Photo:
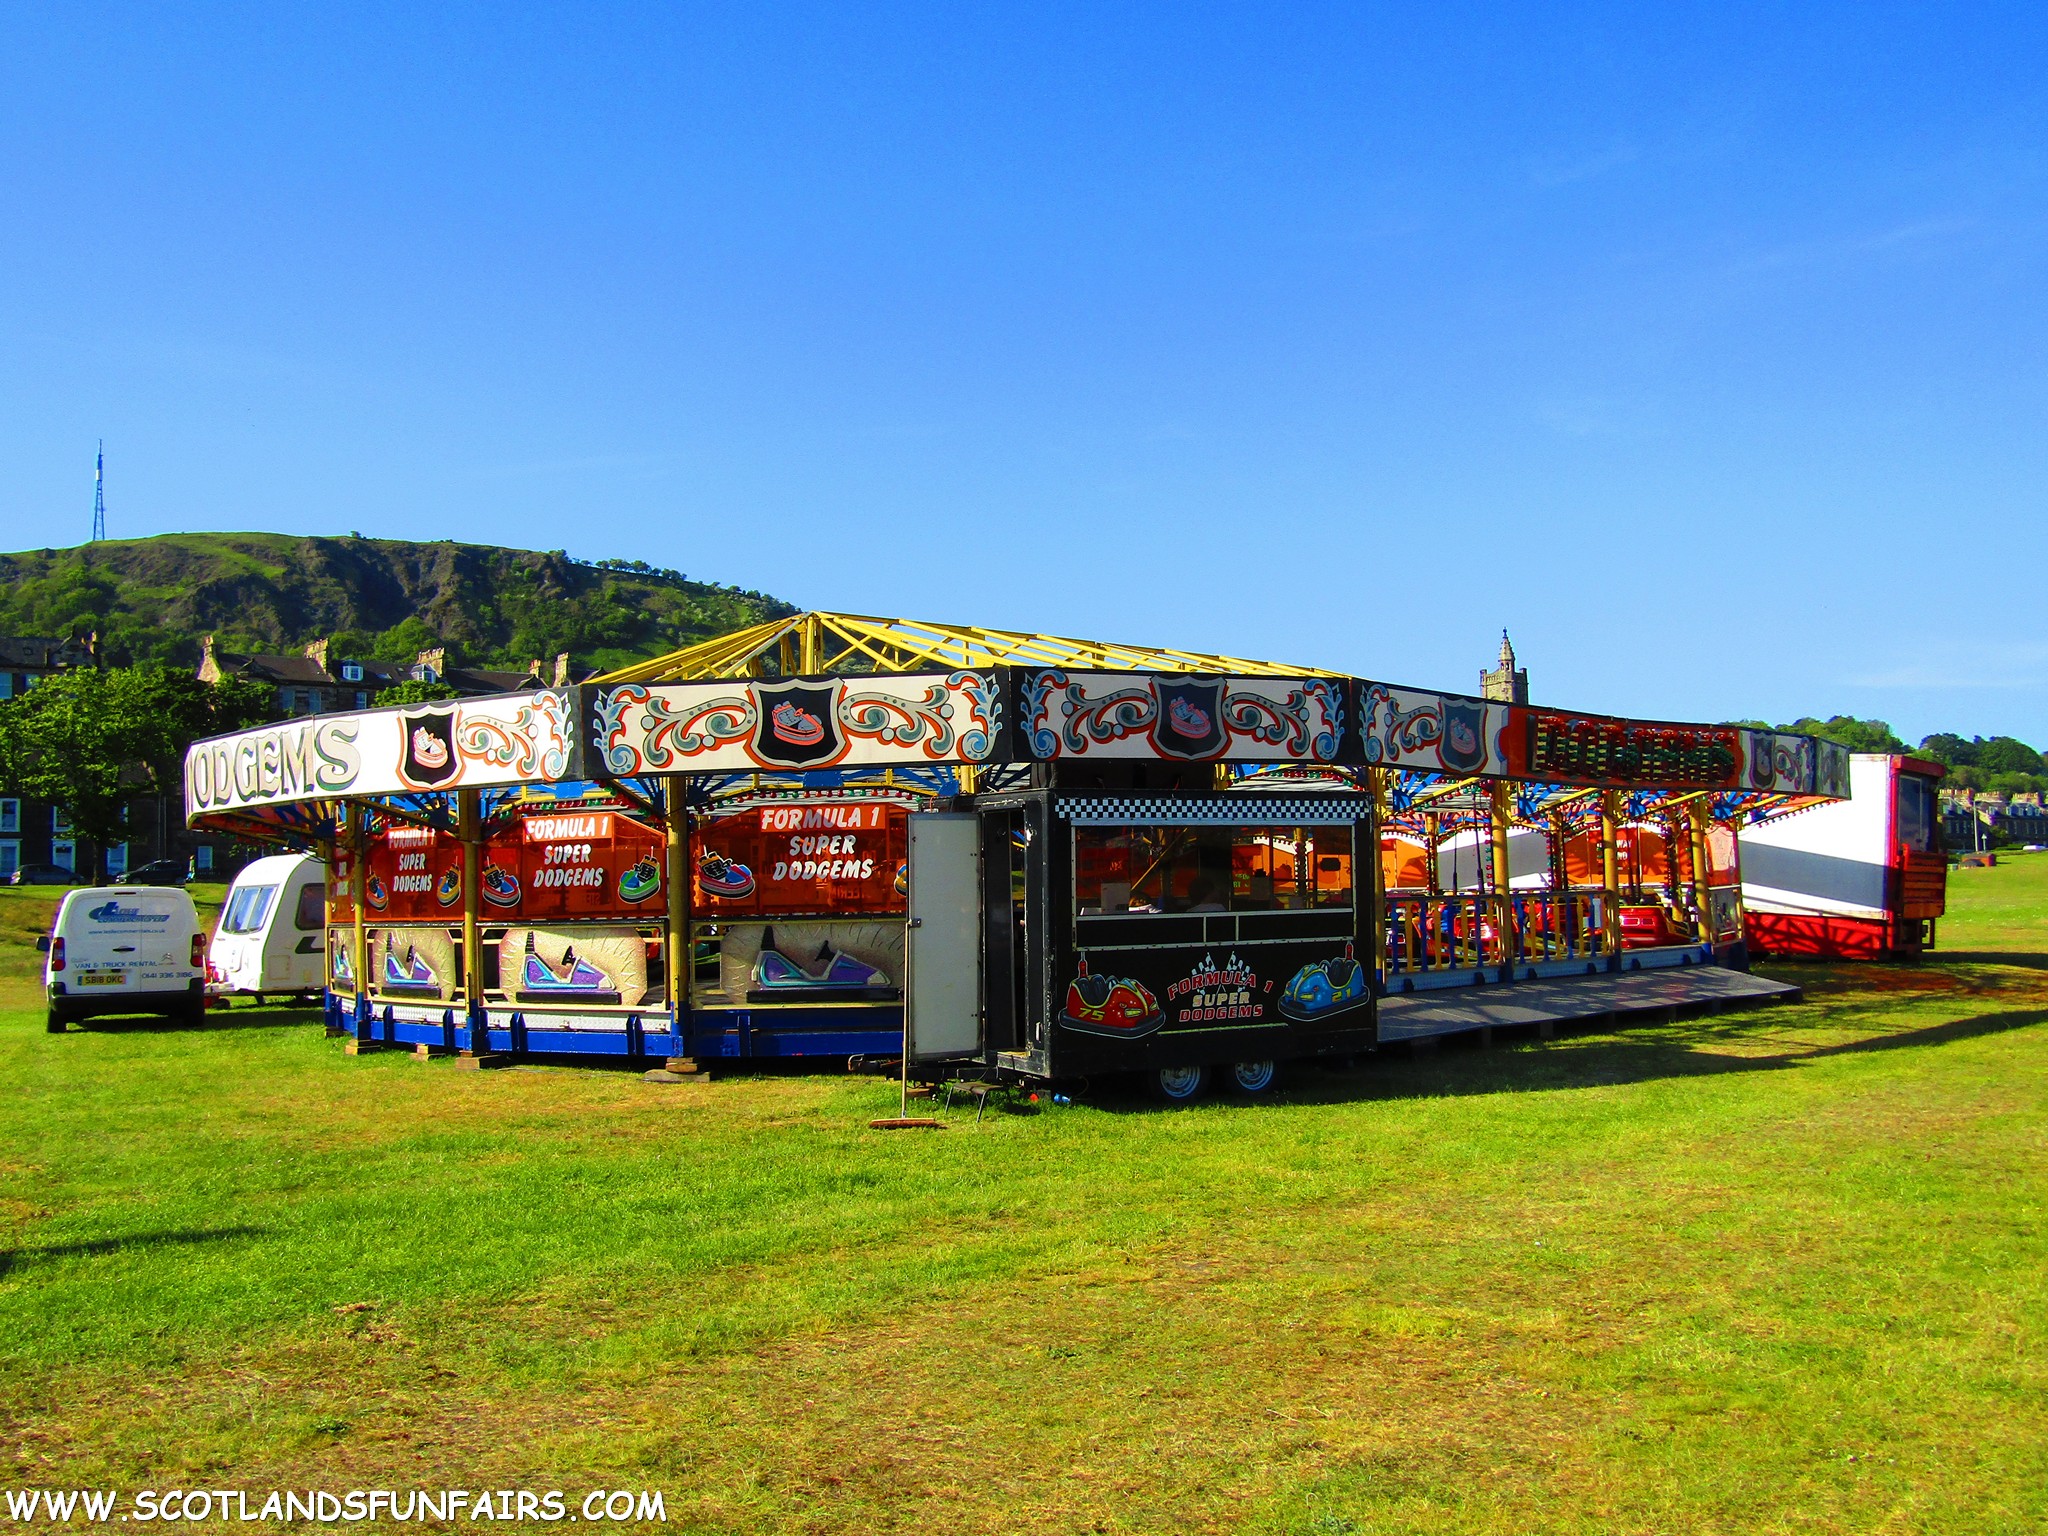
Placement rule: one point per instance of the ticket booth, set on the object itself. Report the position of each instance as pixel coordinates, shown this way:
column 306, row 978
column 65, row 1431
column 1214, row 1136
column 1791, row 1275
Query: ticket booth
column 1190, row 935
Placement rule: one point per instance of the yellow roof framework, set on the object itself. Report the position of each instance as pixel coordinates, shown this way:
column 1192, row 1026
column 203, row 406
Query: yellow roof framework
column 810, row 643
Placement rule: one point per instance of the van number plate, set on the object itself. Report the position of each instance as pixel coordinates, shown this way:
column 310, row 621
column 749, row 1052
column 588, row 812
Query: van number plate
column 102, row 978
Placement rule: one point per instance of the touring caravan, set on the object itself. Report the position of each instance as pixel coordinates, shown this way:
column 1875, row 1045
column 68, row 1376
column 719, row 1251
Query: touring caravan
column 272, row 934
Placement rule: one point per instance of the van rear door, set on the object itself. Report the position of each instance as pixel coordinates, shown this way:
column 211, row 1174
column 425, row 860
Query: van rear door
column 128, row 939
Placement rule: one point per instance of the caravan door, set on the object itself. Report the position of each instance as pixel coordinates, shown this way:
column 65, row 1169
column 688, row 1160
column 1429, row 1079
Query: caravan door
column 942, row 995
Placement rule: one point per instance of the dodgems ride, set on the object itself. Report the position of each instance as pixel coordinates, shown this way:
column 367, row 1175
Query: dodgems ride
column 1001, row 854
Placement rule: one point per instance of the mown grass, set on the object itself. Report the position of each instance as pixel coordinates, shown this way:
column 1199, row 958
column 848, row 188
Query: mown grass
column 1782, row 1271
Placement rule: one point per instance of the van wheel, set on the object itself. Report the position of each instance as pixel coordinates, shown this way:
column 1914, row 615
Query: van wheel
column 1180, row 1085
column 1253, row 1079
column 53, row 1021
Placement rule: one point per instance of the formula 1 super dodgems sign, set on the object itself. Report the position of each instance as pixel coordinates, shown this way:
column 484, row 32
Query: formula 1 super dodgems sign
column 517, row 738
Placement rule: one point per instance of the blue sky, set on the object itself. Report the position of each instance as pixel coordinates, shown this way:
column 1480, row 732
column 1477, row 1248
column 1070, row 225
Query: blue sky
column 1701, row 346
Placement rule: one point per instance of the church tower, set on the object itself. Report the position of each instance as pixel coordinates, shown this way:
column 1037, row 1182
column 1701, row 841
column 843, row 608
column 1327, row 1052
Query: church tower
column 1507, row 683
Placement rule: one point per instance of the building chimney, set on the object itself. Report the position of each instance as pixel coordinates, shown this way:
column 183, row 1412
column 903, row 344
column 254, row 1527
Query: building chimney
column 209, row 666
column 432, row 664
column 1507, row 684
column 562, row 670
column 318, row 651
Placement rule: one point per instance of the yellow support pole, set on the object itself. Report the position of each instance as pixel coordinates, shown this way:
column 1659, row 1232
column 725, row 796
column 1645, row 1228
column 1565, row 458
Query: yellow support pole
column 1377, row 777
column 676, row 935
column 1702, row 887
column 1610, row 868
column 1558, row 841
column 469, row 827
column 1508, row 939
column 1431, row 944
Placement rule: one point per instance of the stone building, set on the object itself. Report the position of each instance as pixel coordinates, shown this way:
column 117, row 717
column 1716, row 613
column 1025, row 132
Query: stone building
column 316, row 682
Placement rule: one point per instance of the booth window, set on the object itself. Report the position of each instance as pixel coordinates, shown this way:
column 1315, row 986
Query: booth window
column 1140, row 870
column 1918, row 819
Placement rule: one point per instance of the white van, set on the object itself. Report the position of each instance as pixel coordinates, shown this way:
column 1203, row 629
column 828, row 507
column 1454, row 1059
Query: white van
column 272, row 934
column 124, row 949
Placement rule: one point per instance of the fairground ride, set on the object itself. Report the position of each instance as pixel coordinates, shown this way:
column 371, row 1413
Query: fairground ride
column 1034, row 856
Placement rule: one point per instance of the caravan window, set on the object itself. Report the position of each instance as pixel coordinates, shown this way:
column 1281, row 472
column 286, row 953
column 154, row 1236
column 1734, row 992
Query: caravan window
column 312, row 911
column 1121, row 870
column 248, row 909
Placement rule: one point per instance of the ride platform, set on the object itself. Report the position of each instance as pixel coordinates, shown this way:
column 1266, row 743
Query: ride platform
column 1633, row 995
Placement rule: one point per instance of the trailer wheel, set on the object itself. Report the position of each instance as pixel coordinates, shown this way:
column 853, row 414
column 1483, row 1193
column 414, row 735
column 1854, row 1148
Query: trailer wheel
column 1253, row 1078
column 1180, row 1085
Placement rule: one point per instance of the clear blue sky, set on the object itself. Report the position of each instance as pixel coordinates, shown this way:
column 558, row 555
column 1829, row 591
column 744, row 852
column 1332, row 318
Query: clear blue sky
column 1703, row 347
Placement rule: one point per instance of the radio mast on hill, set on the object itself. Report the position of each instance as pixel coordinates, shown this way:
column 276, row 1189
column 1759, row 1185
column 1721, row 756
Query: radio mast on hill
column 99, row 494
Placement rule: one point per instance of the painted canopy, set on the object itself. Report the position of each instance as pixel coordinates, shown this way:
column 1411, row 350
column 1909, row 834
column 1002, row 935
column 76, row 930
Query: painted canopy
column 1013, row 700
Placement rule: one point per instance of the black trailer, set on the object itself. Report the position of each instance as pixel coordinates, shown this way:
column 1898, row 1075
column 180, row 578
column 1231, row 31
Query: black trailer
column 1181, row 932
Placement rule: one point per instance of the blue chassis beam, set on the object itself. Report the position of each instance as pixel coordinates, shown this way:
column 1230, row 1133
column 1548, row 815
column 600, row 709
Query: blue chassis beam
column 723, row 1034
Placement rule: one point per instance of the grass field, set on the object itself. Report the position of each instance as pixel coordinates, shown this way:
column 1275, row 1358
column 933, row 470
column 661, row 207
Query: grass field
column 1777, row 1271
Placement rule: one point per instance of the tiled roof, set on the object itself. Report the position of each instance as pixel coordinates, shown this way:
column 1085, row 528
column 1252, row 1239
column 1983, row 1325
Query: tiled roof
column 276, row 669
column 304, row 671
column 33, row 651
column 485, row 679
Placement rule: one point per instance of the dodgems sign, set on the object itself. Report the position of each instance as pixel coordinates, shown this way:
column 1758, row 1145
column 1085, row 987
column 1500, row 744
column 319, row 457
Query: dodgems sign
column 521, row 738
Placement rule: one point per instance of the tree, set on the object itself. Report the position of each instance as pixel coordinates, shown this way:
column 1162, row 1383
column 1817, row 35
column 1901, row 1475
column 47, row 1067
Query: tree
column 402, row 643
column 416, row 691
column 1947, row 747
column 2003, row 754
column 1856, row 735
column 89, row 741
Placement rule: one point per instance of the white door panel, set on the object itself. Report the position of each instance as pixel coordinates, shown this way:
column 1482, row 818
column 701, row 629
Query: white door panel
column 942, row 1002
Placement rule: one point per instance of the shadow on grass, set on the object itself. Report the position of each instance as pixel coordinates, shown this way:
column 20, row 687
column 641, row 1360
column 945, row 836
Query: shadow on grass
column 12, row 1257
column 157, row 1024
column 2032, row 962
column 1459, row 1066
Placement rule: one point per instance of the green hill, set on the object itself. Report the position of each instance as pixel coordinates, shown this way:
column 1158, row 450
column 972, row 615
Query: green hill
column 152, row 599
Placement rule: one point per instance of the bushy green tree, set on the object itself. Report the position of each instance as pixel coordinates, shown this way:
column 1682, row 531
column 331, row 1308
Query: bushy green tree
column 402, row 643
column 415, row 691
column 2003, row 764
column 2004, row 754
column 1856, row 735
column 89, row 741
column 1947, row 747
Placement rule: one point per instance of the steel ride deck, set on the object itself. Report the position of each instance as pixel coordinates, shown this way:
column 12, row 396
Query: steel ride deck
column 1705, row 988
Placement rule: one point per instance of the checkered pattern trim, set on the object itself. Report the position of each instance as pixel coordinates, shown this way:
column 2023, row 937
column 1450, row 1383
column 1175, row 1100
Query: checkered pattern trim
column 1211, row 810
